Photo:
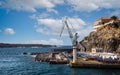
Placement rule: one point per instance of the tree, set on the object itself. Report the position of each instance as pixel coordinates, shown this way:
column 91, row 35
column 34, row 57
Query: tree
column 114, row 17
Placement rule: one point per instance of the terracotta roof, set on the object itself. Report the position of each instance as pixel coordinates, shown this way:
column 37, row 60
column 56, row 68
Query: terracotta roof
column 105, row 18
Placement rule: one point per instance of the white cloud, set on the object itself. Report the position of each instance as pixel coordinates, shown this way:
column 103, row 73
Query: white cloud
column 83, row 5
column 29, row 5
column 91, row 5
column 43, row 15
column 85, row 31
column 33, row 16
column 9, row 31
column 52, row 10
column 51, row 41
column 57, row 1
column 56, row 42
column 38, row 42
column 36, row 16
column 49, row 26
column 53, row 26
column 78, row 5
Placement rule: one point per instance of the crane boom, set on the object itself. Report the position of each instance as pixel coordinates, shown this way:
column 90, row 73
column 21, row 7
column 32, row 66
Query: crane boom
column 69, row 31
column 73, row 38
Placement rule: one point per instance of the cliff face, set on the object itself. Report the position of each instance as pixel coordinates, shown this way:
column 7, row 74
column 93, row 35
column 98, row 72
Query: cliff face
column 106, row 37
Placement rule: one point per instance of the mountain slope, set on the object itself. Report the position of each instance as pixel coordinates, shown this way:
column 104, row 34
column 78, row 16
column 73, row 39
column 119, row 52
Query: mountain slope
column 106, row 37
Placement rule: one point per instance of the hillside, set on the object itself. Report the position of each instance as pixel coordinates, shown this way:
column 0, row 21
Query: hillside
column 106, row 37
column 6, row 45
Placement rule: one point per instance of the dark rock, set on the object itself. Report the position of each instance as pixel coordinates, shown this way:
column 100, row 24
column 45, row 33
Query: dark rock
column 43, row 57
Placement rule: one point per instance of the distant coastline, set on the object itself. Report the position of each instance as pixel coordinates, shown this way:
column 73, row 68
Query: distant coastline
column 8, row 45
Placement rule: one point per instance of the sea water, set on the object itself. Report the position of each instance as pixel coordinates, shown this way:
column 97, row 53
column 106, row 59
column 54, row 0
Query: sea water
column 13, row 62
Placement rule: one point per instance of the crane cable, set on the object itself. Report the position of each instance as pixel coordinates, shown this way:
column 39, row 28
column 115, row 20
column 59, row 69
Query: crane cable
column 73, row 29
column 62, row 28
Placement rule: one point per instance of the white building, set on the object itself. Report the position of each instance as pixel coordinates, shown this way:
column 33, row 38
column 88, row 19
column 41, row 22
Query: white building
column 102, row 22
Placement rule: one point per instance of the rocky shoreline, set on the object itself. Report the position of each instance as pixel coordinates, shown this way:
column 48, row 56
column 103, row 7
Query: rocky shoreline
column 52, row 56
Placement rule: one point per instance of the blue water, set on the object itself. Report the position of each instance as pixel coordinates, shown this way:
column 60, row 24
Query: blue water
column 12, row 62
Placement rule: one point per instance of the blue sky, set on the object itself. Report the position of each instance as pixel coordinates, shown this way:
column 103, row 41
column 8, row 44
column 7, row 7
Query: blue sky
column 40, row 21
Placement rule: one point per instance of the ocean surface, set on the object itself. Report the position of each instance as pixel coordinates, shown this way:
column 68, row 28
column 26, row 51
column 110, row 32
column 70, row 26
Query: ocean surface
column 12, row 62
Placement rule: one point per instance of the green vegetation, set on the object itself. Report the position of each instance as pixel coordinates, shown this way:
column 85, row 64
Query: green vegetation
column 114, row 17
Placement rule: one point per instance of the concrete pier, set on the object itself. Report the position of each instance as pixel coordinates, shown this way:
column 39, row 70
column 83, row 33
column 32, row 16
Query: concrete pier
column 93, row 64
